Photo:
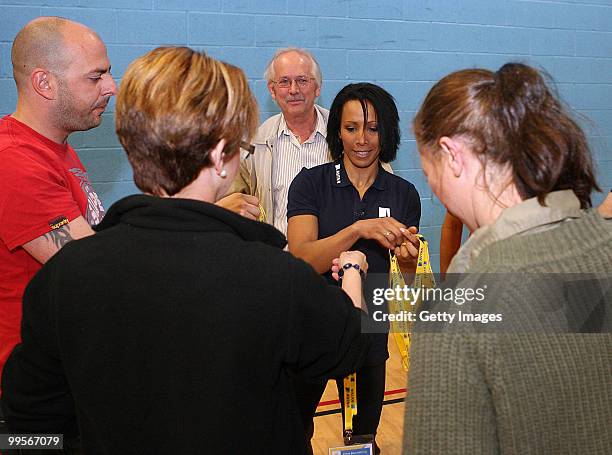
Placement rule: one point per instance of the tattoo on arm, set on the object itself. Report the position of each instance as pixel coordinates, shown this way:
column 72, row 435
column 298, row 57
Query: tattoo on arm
column 59, row 237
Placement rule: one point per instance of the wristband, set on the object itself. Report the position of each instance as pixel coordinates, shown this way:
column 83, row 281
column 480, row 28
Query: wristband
column 349, row 265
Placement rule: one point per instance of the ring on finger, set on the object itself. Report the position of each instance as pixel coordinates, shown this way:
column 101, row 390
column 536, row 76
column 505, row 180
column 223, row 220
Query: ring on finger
column 387, row 234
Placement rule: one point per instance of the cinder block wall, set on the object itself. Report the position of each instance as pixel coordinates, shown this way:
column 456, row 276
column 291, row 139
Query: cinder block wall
column 404, row 45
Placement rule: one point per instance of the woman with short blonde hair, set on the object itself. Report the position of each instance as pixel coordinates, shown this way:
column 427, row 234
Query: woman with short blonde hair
column 175, row 105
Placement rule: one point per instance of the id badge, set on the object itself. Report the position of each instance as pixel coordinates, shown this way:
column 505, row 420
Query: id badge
column 359, row 449
column 359, row 445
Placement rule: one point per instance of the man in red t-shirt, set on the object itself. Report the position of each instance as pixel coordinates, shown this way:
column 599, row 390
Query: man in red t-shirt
column 63, row 79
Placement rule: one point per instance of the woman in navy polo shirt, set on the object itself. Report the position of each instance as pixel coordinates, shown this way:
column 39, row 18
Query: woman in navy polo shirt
column 353, row 203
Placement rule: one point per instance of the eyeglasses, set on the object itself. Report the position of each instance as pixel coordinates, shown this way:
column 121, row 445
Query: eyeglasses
column 301, row 81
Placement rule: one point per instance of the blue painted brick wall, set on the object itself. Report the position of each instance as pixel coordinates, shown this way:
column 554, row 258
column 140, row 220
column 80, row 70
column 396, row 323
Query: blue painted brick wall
column 405, row 45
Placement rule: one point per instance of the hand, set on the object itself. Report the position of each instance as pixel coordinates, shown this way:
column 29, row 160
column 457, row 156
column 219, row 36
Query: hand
column 407, row 252
column 335, row 269
column 242, row 204
column 606, row 207
column 346, row 257
column 386, row 231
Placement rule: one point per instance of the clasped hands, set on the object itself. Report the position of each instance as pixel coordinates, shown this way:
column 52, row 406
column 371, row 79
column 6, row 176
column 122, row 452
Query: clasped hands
column 393, row 235
column 387, row 231
column 390, row 234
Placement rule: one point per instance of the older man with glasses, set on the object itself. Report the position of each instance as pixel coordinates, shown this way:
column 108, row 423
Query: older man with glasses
column 285, row 143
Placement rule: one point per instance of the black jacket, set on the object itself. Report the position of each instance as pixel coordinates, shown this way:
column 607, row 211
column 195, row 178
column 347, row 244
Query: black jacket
column 173, row 330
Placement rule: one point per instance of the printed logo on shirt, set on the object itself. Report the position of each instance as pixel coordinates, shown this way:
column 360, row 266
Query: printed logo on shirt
column 384, row 212
column 338, row 179
column 58, row 222
column 95, row 210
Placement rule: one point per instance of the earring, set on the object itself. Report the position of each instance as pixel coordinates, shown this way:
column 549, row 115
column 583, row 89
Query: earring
column 223, row 173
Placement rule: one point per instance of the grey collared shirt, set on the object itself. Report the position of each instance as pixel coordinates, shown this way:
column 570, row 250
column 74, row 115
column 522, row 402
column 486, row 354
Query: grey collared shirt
column 527, row 216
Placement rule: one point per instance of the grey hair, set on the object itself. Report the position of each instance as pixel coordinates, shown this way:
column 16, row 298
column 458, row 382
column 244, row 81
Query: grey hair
column 316, row 69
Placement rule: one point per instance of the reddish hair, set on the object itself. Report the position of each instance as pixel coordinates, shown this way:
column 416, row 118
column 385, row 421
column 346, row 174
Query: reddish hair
column 511, row 117
column 174, row 105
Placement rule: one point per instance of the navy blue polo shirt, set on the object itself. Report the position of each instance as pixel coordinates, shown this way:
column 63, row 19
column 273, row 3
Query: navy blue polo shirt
column 326, row 192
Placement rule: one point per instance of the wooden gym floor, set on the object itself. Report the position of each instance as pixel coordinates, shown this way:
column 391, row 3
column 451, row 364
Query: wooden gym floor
column 328, row 427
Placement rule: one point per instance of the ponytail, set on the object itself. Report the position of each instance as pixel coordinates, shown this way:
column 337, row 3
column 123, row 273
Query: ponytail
column 512, row 118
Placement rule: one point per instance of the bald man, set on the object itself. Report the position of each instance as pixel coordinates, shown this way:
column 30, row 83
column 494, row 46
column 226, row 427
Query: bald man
column 63, row 79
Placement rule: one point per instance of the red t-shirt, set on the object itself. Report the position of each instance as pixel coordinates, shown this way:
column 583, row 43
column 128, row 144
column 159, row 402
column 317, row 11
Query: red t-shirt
column 42, row 183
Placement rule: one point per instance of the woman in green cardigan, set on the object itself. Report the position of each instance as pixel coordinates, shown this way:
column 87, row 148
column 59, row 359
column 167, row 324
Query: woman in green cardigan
column 504, row 155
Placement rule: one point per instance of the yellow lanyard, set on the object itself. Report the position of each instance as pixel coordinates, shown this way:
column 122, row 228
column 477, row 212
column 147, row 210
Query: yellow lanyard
column 350, row 404
column 423, row 278
column 262, row 214
column 401, row 329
